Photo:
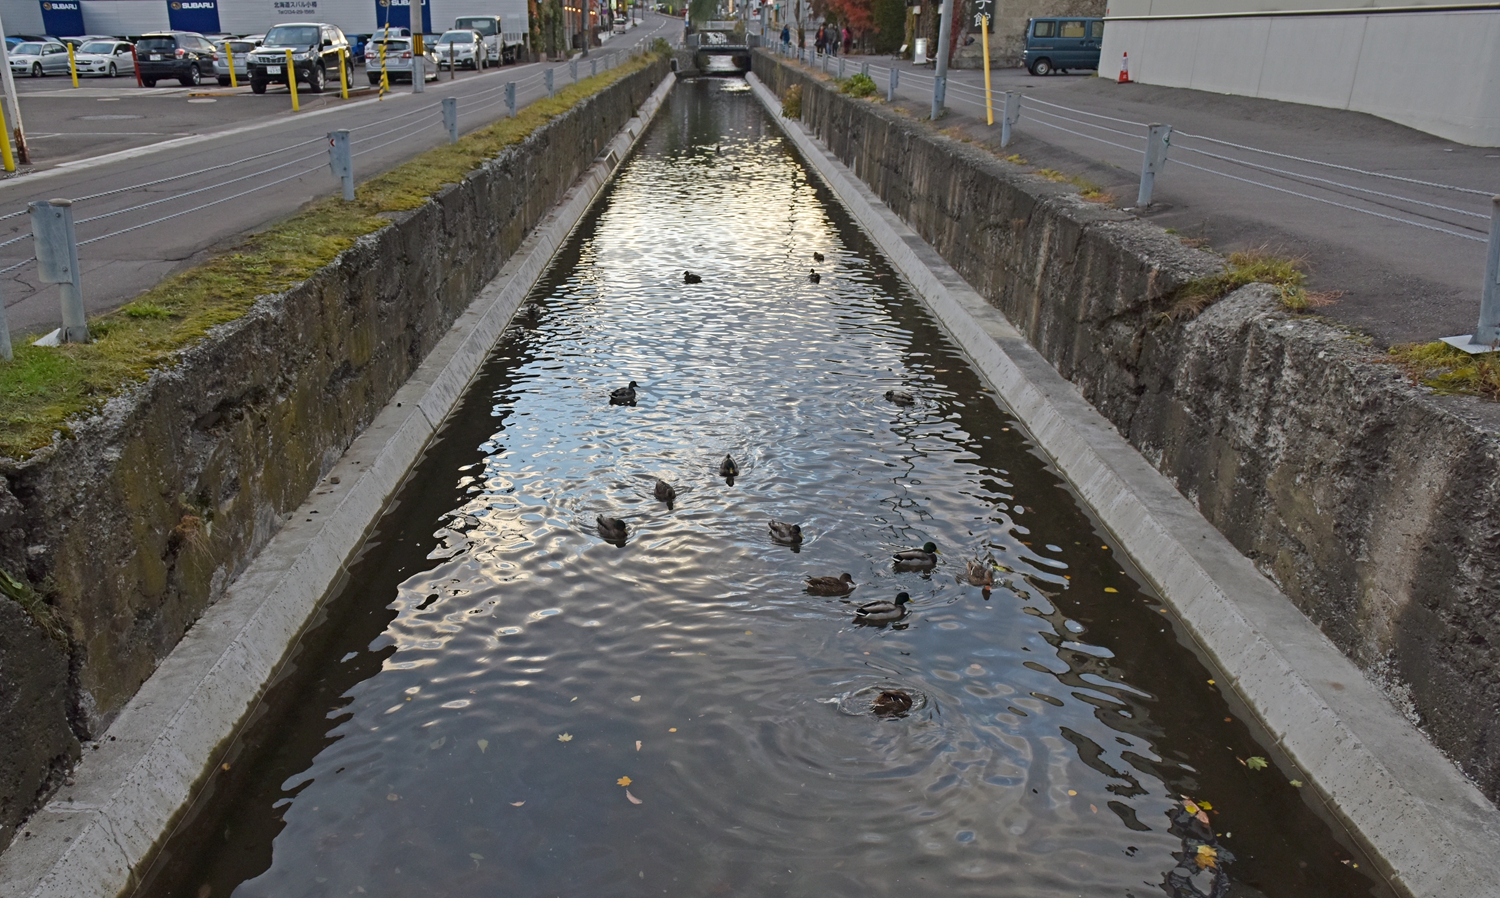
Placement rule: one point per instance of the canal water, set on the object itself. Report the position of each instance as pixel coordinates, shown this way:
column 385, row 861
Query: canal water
column 501, row 703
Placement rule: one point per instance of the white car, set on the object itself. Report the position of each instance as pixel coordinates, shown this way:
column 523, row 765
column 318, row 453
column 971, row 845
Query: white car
column 462, row 49
column 398, row 60
column 39, row 58
column 242, row 48
column 104, row 59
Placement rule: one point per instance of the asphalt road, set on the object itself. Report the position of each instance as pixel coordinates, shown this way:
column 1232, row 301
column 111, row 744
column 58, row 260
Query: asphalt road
column 1400, row 281
column 108, row 135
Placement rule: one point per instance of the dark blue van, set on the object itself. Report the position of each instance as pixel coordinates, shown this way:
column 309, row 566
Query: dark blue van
column 1059, row 44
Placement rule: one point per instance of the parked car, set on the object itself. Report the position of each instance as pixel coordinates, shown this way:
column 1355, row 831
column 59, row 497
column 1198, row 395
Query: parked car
column 357, row 46
column 315, row 50
column 462, row 49
column 1059, row 44
column 491, row 30
column 184, row 55
column 38, row 58
column 240, row 48
column 106, row 58
column 398, row 59
column 76, row 42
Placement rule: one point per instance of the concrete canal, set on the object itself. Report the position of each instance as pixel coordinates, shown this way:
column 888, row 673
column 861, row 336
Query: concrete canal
column 501, row 702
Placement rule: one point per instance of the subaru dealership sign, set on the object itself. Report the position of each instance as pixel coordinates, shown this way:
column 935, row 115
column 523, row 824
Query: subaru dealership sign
column 397, row 14
column 201, row 16
column 63, row 17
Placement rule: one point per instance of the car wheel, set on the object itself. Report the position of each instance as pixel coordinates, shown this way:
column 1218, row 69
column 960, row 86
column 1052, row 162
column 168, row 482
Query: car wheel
column 374, row 80
column 1041, row 67
column 36, row 70
column 148, row 82
column 257, row 86
column 223, row 81
column 113, row 72
column 316, row 79
column 193, row 77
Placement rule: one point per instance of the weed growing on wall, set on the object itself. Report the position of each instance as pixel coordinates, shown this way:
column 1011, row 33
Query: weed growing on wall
column 858, row 86
column 1251, row 267
column 1450, row 370
column 791, row 102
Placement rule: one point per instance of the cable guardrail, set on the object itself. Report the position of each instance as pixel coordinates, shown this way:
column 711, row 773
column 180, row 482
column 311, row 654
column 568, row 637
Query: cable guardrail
column 174, row 198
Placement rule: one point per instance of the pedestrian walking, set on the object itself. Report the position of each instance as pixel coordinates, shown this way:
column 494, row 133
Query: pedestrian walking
column 820, row 41
column 786, row 38
column 848, row 40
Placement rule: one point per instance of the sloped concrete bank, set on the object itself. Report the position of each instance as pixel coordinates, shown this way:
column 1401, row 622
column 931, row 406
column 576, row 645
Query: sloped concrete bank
column 176, row 510
column 1323, row 467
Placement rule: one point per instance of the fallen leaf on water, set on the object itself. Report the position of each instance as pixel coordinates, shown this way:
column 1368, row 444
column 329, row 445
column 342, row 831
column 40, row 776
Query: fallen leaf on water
column 1094, row 809
column 672, row 730
column 638, row 747
column 1256, row 763
column 1071, row 792
column 633, row 799
column 1296, row 784
column 1205, row 806
column 224, row 766
column 1210, row 682
column 624, row 780
column 483, row 744
column 1207, row 857
column 1110, row 589
column 393, row 797
column 516, row 804
column 565, row 737
column 477, row 857
column 635, row 698
column 1190, row 807
column 573, row 699
column 438, row 744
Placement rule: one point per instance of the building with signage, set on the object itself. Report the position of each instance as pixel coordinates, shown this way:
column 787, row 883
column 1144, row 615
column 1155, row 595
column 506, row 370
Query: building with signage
column 1433, row 65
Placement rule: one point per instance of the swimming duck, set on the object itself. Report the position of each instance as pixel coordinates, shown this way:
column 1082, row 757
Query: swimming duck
column 665, row 492
column 612, row 529
column 533, row 312
column 817, row 256
column 790, row 534
column 689, row 278
column 979, row 573
column 830, row 586
column 729, row 468
column 882, row 611
column 923, row 559
column 891, row 703
column 812, row 275
column 623, row 396
column 899, row 397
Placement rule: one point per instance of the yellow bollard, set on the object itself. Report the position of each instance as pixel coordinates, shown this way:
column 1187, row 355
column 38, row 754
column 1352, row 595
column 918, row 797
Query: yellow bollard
column 233, row 81
column 344, row 72
column 385, row 77
column 989, row 106
column 10, row 160
column 291, row 80
column 72, row 65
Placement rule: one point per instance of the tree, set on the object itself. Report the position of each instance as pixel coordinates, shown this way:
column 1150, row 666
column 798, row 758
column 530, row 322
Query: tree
column 857, row 14
column 890, row 24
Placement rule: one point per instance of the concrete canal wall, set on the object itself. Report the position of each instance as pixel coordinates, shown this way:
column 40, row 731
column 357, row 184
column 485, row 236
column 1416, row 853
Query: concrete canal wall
column 117, row 539
column 1366, row 501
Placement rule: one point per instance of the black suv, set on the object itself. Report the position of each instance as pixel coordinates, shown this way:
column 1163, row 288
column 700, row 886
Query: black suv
column 184, row 55
column 315, row 55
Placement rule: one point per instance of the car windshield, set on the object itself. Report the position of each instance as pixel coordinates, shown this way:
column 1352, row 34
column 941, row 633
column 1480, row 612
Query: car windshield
column 103, row 48
column 485, row 27
column 28, row 49
column 292, row 36
column 456, row 37
column 156, row 44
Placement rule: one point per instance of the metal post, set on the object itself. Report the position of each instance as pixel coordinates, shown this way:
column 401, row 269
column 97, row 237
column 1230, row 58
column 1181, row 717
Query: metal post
column 864, row 69
column 841, row 68
column 940, row 81
column 291, row 80
column 5, row 352
column 73, row 65
column 510, row 98
column 233, row 80
column 547, row 76
column 450, row 118
column 593, row 67
column 573, row 68
column 343, row 71
column 340, row 162
column 1488, row 329
column 385, row 76
column 418, row 74
column 1010, row 116
column 1157, row 139
column 890, row 95
column 57, row 262
column 23, row 156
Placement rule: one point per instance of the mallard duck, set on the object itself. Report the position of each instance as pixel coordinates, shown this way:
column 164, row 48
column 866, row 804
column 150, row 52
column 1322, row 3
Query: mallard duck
column 891, row 703
column 882, row 611
column 623, row 396
column 689, row 278
column 790, row 534
column 533, row 311
column 900, row 397
column 812, row 275
column 923, row 559
column 665, row 492
column 728, row 468
column 979, row 573
column 817, row 256
column 612, row 529
column 830, row 586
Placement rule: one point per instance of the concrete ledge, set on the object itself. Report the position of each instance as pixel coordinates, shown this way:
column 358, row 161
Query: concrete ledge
column 92, row 837
column 1432, row 831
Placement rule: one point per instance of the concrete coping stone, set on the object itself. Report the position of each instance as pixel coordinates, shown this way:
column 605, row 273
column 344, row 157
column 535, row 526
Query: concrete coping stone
column 1432, row 832
column 89, row 840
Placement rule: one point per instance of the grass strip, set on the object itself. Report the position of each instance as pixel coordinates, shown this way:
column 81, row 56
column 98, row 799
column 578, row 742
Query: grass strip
column 46, row 387
column 1449, row 370
column 1252, row 267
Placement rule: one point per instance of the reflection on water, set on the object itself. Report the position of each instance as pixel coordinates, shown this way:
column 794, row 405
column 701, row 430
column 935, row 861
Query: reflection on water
column 503, row 703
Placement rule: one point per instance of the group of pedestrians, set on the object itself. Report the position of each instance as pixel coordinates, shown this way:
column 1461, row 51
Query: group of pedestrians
column 827, row 39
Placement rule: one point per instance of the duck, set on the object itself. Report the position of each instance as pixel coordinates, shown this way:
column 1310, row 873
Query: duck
column 790, row 534
column 533, row 312
column 728, row 468
column 830, row 586
column 665, row 492
column 689, row 278
column 612, row 529
column 979, row 573
column 812, row 275
column 817, row 256
column 882, row 611
column 624, row 395
column 923, row 559
column 891, row 703
column 899, row 397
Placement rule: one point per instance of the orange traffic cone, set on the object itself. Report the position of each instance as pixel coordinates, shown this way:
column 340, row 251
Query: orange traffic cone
column 1124, row 69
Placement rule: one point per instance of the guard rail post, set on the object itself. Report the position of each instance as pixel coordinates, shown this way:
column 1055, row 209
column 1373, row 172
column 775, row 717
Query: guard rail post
column 340, row 162
column 890, row 95
column 5, row 351
column 573, row 68
column 57, row 262
column 548, row 78
column 864, row 69
column 450, row 118
column 418, row 73
column 291, row 80
column 593, row 67
column 841, row 68
column 1010, row 116
column 1158, row 136
column 510, row 98
column 1486, row 336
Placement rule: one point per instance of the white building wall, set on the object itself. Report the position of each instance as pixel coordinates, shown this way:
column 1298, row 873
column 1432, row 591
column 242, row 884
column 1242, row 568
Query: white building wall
column 122, row 16
column 1436, row 71
column 21, row 17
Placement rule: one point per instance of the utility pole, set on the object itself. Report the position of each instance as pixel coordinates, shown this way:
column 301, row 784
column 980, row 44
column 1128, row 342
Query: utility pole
column 587, row 27
column 940, row 83
column 22, row 154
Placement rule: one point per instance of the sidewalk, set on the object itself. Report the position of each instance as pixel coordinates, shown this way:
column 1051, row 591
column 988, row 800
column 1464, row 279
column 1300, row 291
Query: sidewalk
column 1398, row 269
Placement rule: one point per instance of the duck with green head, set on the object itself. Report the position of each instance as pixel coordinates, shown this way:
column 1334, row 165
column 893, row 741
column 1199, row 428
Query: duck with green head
column 882, row 611
column 923, row 559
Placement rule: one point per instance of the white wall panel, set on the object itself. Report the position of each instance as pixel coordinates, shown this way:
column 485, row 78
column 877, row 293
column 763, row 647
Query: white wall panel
column 1228, row 59
column 1312, row 59
column 123, row 16
column 22, row 17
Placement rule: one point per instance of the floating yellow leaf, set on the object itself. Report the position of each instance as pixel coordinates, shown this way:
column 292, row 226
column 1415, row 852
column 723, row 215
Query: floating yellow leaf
column 624, row 780
column 516, row 804
column 1190, row 807
column 565, row 737
column 483, row 744
column 1296, row 784
column 1207, row 857
column 1205, row 806
column 672, row 730
column 1110, row 589
column 635, row 698
column 1071, row 792
column 1256, row 763
column 633, row 799
column 1210, row 682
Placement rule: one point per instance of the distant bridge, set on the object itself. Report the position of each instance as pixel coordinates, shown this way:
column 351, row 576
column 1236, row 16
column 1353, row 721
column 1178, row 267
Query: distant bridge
column 719, row 47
